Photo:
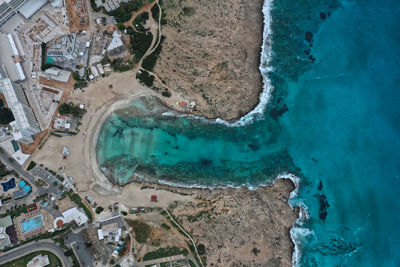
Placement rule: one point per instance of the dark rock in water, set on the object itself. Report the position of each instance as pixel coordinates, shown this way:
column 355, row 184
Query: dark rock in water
column 176, row 147
column 165, row 153
column 320, row 186
column 205, row 162
column 323, row 206
column 309, row 37
column 311, row 58
column 308, row 17
column 253, row 147
column 329, row 14
column 276, row 112
column 336, row 246
column 322, row 15
column 307, row 51
column 314, row 159
column 118, row 133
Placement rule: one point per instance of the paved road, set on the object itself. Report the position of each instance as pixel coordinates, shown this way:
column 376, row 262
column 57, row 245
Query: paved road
column 166, row 259
column 32, row 247
column 4, row 157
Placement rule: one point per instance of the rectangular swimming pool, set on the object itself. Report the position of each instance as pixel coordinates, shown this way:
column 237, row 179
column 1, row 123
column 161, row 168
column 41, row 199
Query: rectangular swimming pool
column 32, row 224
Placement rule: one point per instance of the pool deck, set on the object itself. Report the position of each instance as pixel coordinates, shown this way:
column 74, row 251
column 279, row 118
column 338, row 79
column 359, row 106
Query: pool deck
column 47, row 223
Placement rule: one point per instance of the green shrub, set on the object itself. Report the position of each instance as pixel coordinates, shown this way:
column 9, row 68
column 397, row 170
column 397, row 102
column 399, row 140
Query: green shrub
column 145, row 78
column 141, row 229
column 99, row 209
column 70, row 109
column 31, row 165
column 140, row 43
column 150, row 61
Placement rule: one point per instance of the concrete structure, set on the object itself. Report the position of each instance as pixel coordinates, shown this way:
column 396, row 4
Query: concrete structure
column 9, row 8
column 30, row 7
column 110, row 229
column 116, row 45
column 55, row 74
column 10, row 57
column 39, row 261
column 75, row 215
column 25, row 125
column 67, row 51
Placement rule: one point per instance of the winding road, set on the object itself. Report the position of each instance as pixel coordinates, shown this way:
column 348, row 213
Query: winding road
column 31, row 247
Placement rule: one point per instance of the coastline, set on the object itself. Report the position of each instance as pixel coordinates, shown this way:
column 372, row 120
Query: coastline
column 92, row 181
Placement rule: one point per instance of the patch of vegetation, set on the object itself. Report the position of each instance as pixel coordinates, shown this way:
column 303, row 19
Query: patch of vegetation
column 121, row 66
column 40, row 183
column 145, row 78
column 15, row 212
column 164, row 252
column 124, row 12
column 140, row 43
column 6, row 115
column 140, row 21
column 165, row 226
column 197, row 216
column 141, row 229
column 201, row 249
column 124, row 213
column 71, row 109
column 3, row 170
column 192, row 264
column 23, row 261
column 99, row 209
column 166, row 94
column 155, row 13
column 80, row 84
column 188, row 11
column 94, row 6
column 150, row 61
column 31, row 165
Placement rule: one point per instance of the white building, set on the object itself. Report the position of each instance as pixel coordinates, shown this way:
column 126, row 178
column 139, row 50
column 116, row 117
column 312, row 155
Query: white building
column 10, row 57
column 25, row 125
column 74, row 214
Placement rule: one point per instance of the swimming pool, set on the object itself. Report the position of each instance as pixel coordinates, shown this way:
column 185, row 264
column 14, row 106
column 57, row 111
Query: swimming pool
column 32, row 224
column 10, row 184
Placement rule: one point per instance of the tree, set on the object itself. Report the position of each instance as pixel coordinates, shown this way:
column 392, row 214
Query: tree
column 99, row 209
column 201, row 249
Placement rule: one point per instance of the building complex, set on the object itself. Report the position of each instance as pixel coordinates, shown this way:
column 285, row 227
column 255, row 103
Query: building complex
column 25, row 125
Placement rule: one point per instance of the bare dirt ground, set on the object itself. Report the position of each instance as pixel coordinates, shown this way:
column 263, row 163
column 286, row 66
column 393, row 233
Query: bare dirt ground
column 238, row 227
column 29, row 149
column 211, row 54
column 67, row 87
column 241, row 227
column 78, row 15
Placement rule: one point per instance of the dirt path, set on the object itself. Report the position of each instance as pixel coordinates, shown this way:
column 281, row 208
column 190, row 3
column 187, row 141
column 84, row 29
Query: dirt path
column 144, row 8
column 159, row 28
column 191, row 239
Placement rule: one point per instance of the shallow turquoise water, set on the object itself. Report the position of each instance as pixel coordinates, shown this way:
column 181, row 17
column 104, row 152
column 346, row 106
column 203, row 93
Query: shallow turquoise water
column 340, row 134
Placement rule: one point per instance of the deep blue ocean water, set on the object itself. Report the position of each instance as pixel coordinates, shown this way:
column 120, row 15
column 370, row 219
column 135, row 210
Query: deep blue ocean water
column 340, row 133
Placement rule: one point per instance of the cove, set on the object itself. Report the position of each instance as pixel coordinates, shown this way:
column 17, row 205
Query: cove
column 333, row 120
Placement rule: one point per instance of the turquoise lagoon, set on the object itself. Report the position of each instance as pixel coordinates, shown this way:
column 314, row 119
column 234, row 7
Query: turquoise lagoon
column 333, row 120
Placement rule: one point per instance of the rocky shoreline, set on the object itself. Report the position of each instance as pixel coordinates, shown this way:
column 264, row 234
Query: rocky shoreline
column 211, row 55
